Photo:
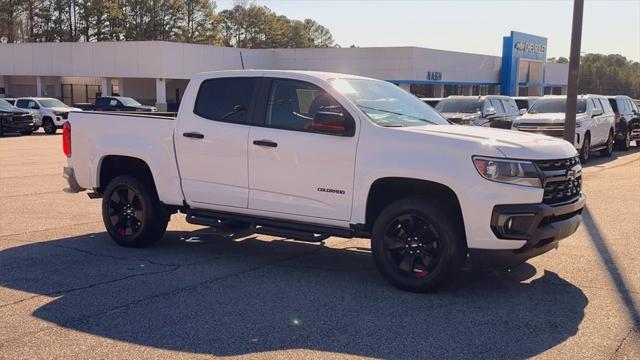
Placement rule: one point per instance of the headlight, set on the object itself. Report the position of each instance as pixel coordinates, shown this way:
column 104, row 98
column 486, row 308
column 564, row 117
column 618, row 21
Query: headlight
column 579, row 123
column 515, row 172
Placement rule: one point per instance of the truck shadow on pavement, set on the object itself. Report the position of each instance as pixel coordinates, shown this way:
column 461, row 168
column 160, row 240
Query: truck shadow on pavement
column 597, row 160
column 201, row 292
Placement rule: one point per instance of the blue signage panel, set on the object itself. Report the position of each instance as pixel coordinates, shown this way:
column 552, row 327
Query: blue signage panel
column 518, row 46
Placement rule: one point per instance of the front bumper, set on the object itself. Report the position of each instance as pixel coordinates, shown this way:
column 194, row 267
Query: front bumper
column 542, row 226
column 70, row 176
column 16, row 124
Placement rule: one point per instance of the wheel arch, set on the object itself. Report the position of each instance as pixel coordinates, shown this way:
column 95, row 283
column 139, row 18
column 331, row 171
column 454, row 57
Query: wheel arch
column 111, row 166
column 383, row 191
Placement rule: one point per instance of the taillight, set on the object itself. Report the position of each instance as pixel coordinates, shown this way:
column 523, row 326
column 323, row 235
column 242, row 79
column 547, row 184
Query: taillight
column 66, row 138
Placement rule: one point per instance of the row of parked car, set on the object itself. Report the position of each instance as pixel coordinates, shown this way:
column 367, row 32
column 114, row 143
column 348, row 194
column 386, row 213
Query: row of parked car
column 28, row 114
column 602, row 122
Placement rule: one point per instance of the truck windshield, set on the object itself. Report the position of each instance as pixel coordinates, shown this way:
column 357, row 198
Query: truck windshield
column 49, row 103
column 386, row 104
column 5, row 105
column 451, row 105
column 555, row 106
column 127, row 101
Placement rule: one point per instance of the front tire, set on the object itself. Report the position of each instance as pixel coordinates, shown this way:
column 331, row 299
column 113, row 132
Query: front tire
column 49, row 126
column 416, row 245
column 608, row 150
column 132, row 212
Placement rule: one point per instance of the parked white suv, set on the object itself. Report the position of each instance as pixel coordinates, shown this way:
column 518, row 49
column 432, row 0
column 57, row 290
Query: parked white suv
column 307, row 155
column 50, row 113
column 595, row 122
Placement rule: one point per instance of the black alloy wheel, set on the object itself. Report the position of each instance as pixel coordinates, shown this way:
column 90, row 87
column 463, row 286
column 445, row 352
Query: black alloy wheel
column 49, row 127
column 132, row 212
column 417, row 243
column 126, row 211
column 413, row 244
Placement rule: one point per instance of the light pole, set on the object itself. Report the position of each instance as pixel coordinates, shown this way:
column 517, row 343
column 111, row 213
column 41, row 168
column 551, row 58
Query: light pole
column 574, row 66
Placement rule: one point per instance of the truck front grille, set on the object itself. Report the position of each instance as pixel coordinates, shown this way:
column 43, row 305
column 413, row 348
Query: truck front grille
column 544, row 129
column 562, row 180
column 500, row 124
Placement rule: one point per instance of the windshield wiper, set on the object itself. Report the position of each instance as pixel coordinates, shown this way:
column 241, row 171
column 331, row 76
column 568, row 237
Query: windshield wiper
column 397, row 113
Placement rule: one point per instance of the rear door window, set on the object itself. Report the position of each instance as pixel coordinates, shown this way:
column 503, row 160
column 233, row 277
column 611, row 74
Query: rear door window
column 510, row 106
column 629, row 106
column 497, row 104
column 606, row 107
column 226, row 99
column 596, row 104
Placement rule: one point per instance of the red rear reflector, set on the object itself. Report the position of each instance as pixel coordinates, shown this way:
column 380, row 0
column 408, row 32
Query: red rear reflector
column 66, row 138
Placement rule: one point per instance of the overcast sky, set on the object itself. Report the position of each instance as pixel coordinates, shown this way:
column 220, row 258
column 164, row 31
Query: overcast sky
column 610, row 26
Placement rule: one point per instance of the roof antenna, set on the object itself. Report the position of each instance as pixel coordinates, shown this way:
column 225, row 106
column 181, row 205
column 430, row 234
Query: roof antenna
column 241, row 60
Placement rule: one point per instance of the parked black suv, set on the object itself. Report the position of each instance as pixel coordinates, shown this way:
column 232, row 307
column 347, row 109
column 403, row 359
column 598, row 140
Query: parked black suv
column 14, row 119
column 116, row 103
column 627, row 121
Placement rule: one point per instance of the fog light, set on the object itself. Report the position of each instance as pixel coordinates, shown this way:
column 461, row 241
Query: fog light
column 516, row 224
column 508, row 225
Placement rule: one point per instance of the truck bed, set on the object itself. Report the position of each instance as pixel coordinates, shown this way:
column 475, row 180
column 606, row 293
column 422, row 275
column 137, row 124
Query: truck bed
column 144, row 136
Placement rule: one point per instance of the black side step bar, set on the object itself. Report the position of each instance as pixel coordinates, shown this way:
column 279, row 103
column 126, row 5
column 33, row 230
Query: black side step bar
column 267, row 226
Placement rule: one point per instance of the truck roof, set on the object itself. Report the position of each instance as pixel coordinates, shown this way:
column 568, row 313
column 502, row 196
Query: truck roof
column 284, row 73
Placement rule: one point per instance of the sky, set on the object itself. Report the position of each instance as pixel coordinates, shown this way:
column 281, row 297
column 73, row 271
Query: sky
column 477, row 26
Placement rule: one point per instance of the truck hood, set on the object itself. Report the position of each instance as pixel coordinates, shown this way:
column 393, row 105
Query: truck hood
column 65, row 109
column 513, row 144
column 545, row 118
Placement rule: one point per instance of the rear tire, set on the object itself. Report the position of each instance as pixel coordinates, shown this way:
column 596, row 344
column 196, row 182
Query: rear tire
column 132, row 213
column 416, row 245
column 586, row 148
column 608, row 150
column 49, row 126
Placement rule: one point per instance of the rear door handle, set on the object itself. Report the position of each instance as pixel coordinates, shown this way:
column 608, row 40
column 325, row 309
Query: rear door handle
column 193, row 135
column 267, row 143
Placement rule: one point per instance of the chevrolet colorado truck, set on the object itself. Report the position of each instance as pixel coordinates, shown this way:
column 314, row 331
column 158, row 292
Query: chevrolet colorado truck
column 308, row 155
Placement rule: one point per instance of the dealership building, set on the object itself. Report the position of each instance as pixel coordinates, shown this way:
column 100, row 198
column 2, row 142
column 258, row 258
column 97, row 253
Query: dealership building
column 157, row 72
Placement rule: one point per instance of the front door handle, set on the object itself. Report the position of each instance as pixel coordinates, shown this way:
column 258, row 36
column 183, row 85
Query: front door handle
column 193, row 135
column 267, row 143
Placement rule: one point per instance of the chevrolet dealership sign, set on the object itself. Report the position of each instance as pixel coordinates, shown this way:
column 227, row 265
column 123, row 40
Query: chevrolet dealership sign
column 530, row 47
column 515, row 47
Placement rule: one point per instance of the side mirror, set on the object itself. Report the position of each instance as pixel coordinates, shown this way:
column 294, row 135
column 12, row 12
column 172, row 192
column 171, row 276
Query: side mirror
column 596, row 112
column 332, row 123
column 490, row 112
column 522, row 111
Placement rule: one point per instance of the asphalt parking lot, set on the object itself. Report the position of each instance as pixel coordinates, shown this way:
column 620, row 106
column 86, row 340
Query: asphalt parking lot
column 67, row 291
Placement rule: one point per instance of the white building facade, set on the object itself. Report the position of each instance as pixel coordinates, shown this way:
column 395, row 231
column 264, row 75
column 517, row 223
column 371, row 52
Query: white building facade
column 157, row 72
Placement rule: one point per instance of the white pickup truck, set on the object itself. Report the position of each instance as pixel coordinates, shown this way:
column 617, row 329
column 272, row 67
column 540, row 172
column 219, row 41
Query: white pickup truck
column 307, row 155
